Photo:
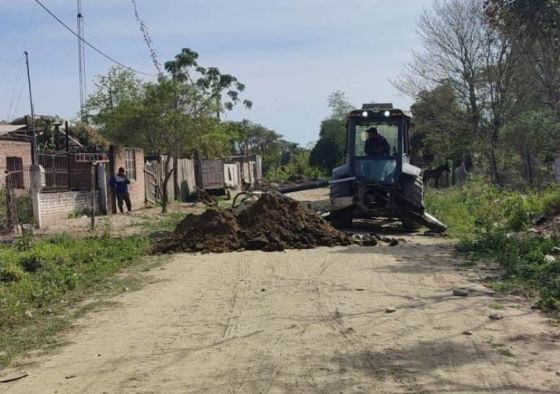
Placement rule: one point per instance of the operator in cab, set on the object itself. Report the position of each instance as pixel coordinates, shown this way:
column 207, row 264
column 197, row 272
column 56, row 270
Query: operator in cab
column 376, row 144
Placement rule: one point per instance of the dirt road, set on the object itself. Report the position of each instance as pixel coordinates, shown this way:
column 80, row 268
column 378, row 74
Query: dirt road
column 311, row 321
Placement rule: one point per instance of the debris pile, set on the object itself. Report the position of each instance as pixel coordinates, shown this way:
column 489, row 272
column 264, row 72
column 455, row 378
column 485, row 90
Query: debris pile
column 273, row 223
column 546, row 225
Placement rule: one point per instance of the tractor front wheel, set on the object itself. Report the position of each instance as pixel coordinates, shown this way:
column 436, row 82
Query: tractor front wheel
column 342, row 218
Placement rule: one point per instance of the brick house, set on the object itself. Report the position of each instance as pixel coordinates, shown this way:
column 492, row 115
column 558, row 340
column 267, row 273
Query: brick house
column 132, row 160
column 15, row 156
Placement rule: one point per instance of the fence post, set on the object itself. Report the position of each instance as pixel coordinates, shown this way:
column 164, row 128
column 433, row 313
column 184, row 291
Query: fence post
column 37, row 181
column 10, row 214
column 92, row 165
column 102, row 183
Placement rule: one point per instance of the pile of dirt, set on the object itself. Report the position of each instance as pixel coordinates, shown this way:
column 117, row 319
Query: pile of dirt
column 273, row 223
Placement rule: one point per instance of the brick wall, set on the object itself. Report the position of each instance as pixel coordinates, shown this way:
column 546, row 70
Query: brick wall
column 136, row 188
column 56, row 206
column 15, row 149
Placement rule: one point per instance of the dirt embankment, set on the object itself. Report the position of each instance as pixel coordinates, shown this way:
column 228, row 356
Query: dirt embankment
column 273, row 223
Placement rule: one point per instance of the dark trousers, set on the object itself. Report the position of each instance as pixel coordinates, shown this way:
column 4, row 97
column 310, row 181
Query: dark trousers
column 126, row 199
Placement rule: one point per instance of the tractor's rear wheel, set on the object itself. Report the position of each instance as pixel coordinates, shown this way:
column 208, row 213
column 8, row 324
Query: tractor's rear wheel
column 413, row 213
column 413, row 193
column 412, row 202
column 342, row 218
column 409, row 224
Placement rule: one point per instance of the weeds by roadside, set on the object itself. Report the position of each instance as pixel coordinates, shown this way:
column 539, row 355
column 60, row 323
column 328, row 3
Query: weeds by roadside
column 491, row 224
column 37, row 275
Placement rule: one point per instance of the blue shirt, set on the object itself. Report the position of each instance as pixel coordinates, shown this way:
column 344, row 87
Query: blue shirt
column 120, row 184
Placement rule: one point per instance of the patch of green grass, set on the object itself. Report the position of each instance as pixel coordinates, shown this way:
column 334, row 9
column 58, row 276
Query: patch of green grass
column 38, row 277
column 490, row 224
column 166, row 222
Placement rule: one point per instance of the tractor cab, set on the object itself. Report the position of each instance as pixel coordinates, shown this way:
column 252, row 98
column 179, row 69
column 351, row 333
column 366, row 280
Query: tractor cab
column 377, row 143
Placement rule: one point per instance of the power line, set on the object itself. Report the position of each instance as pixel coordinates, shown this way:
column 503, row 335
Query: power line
column 10, row 61
column 13, row 99
column 11, row 68
column 88, row 43
column 147, row 38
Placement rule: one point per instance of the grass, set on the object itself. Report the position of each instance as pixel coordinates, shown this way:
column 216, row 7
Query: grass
column 166, row 222
column 39, row 279
column 491, row 225
column 23, row 207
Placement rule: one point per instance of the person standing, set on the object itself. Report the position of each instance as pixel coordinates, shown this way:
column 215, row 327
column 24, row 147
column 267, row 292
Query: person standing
column 119, row 183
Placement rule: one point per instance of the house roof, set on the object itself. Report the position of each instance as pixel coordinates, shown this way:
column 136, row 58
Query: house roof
column 10, row 128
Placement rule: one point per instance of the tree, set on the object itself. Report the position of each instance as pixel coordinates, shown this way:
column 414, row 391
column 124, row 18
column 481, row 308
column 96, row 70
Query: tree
column 535, row 137
column 213, row 85
column 172, row 117
column 535, row 31
column 119, row 84
column 463, row 51
column 441, row 128
column 330, row 149
column 250, row 138
column 339, row 105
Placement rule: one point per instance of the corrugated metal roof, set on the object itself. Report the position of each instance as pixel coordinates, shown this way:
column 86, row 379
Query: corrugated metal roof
column 10, row 128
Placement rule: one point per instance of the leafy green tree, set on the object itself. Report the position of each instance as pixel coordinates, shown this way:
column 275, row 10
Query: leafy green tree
column 330, row 149
column 535, row 137
column 339, row 105
column 252, row 138
column 535, row 31
column 222, row 91
column 118, row 85
column 442, row 129
column 174, row 116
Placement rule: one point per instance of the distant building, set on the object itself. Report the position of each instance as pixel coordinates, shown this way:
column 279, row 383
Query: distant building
column 15, row 156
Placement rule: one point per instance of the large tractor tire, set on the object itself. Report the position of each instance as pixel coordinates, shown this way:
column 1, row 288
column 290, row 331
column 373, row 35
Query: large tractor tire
column 413, row 193
column 409, row 224
column 342, row 218
column 413, row 211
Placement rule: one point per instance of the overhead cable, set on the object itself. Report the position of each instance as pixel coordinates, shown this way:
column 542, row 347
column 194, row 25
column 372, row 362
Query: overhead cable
column 88, row 43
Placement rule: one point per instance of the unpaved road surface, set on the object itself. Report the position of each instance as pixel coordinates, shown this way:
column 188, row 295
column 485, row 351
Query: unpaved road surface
column 310, row 321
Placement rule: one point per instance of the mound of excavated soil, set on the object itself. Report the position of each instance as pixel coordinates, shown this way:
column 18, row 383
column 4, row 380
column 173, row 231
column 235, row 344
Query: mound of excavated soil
column 273, row 223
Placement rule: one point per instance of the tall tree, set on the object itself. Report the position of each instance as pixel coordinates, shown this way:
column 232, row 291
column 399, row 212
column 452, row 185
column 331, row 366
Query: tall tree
column 222, row 91
column 330, row 149
column 462, row 51
column 442, row 128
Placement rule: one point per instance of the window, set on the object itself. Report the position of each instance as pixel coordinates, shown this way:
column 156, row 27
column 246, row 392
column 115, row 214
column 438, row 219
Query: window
column 130, row 163
column 389, row 131
column 14, row 166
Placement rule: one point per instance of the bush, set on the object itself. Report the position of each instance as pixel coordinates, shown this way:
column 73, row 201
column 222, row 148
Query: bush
column 490, row 224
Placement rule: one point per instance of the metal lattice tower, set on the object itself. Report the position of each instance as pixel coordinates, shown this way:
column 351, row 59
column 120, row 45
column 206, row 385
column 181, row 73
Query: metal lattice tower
column 81, row 58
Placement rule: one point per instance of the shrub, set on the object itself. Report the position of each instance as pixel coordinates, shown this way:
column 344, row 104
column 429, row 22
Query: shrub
column 490, row 222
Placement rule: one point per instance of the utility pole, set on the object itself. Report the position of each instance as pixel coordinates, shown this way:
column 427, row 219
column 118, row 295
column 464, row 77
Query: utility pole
column 32, row 111
column 81, row 59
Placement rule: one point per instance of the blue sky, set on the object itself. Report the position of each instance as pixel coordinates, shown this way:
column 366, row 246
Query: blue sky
column 290, row 53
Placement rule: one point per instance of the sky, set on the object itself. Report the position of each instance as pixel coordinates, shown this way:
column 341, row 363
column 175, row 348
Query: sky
column 290, row 54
